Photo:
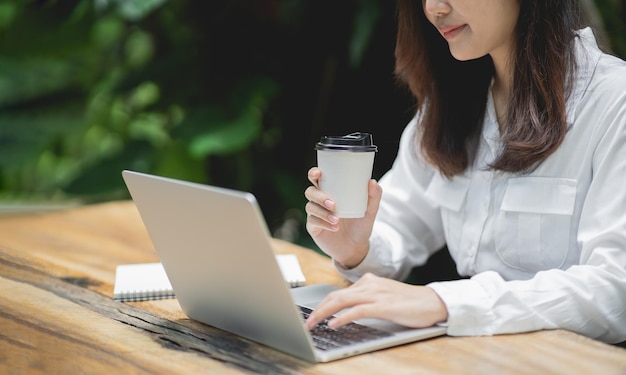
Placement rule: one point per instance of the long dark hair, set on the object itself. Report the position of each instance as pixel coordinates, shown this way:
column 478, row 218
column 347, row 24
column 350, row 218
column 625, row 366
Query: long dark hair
column 452, row 94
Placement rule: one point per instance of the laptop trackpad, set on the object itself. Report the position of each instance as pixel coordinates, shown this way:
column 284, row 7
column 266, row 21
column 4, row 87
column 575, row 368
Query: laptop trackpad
column 311, row 295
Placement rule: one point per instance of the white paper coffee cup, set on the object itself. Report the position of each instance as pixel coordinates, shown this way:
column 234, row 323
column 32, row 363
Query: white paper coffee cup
column 346, row 163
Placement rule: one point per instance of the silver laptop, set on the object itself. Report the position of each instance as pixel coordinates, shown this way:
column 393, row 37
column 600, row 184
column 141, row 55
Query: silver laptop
column 216, row 250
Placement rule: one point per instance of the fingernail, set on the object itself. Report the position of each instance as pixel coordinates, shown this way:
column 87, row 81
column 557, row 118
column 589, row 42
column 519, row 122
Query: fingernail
column 328, row 203
column 333, row 219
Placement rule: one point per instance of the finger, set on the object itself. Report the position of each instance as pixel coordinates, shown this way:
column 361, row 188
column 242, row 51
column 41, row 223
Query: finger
column 375, row 192
column 325, row 309
column 316, row 210
column 332, row 304
column 314, row 176
column 365, row 310
column 314, row 224
column 313, row 194
column 359, row 301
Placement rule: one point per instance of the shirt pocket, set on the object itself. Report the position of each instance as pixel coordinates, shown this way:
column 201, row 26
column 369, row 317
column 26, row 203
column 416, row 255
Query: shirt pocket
column 449, row 195
column 532, row 231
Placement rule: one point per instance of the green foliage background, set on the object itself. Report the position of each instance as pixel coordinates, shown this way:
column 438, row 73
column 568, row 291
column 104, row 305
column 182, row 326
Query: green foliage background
column 227, row 92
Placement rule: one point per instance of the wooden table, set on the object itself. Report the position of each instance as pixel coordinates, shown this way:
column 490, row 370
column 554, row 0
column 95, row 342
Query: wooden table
column 57, row 315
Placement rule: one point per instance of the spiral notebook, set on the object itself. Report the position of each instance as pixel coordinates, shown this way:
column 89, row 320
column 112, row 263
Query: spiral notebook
column 148, row 281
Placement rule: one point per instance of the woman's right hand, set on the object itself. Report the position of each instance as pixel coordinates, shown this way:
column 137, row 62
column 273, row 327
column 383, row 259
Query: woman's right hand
column 345, row 240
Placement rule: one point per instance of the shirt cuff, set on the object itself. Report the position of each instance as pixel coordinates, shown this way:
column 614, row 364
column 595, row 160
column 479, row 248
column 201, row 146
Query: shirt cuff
column 468, row 304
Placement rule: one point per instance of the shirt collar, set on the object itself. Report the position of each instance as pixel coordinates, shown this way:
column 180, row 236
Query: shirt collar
column 587, row 58
column 491, row 129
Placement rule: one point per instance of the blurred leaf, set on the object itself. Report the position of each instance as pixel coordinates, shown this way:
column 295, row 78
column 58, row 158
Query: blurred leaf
column 23, row 135
column 174, row 161
column 107, row 31
column 7, row 14
column 253, row 92
column 363, row 28
column 131, row 9
column 104, row 177
column 144, row 95
column 27, row 79
column 227, row 136
column 139, row 48
column 151, row 127
column 137, row 9
column 219, row 132
column 47, row 30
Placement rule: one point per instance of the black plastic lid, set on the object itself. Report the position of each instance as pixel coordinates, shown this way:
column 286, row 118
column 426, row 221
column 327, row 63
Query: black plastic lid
column 355, row 142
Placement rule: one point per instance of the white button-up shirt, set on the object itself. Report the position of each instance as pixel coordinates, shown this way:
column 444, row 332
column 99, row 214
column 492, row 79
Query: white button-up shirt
column 543, row 250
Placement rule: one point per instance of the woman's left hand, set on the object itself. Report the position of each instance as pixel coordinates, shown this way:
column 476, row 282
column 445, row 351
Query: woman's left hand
column 376, row 297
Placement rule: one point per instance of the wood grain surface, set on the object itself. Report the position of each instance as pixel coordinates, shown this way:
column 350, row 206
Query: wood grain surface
column 57, row 315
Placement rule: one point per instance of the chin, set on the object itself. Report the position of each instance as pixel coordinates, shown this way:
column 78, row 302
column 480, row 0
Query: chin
column 464, row 55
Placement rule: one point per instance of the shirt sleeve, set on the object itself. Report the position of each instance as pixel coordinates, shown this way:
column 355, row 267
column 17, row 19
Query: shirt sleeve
column 588, row 298
column 408, row 227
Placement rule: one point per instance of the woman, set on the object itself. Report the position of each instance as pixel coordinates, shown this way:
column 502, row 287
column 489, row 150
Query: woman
column 516, row 160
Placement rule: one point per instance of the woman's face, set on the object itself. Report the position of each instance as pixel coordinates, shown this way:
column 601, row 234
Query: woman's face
column 475, row 28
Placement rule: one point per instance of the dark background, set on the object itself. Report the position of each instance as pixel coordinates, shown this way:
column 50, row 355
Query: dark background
column 227, row 92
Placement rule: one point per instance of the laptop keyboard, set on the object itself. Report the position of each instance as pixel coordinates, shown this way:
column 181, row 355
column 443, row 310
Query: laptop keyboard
column 326, row 338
